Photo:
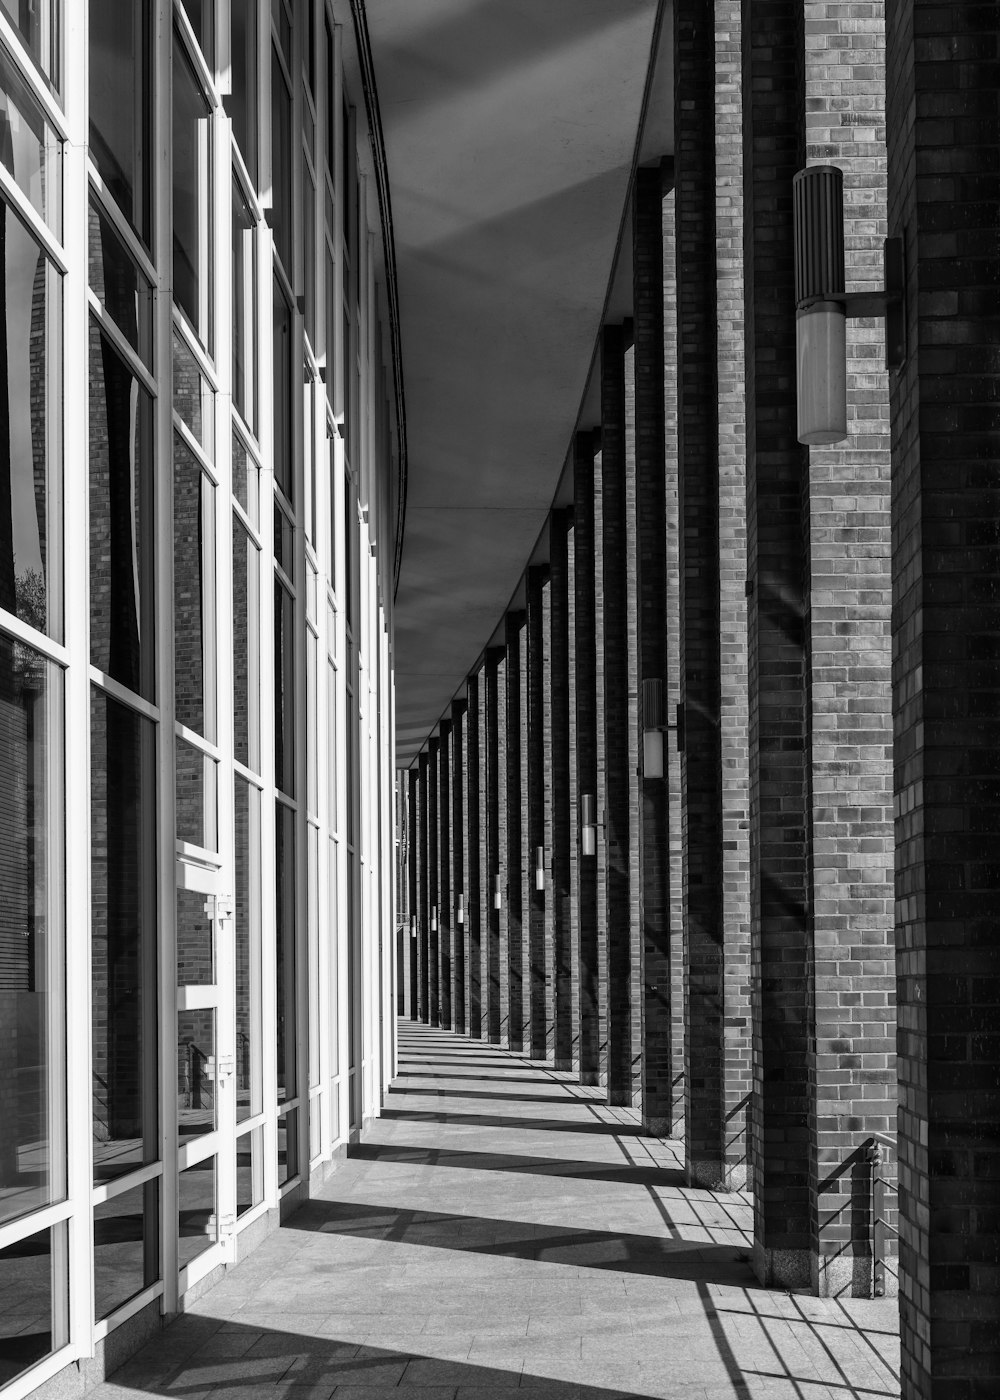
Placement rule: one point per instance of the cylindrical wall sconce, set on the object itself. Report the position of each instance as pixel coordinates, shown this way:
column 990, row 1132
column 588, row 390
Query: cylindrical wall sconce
column 821, row 309
column 460, row 908
column 434, row 918
column 652, row 728
column 497, row 895
column 588, row 824
column 539, row 867
column 413, row 926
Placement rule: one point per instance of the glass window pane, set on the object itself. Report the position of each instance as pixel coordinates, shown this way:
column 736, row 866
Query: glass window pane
column 309, row 252
column 197, row 1219
column 194, row 400
column 123, row 925
column 126, row 1246
column 194, row 593
column 121, row 106
column 196, row 797
column 196, row 1076
column 281, row 163
column 244, row 311
column 123, row 291
column 284, row 535
column 288, row 1146
column 121, row 520
column 201, row 13
column 243, row 105
column 192, row 187
column 312, row 767
column 32, row 1058
column 282, row 402
column 30, row 542
column 33, row 1301
column 249, row 1170
column 246, row 480
column 249, row 1097
column 29, row 146
column 195, row 938
column 284, row 690
column 246, row 569
column 285, row 950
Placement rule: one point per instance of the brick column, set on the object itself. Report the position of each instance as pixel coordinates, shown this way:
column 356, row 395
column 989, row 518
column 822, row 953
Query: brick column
column 942, row 132
column 614, row 595
column 514, row 968
column 585, row 667
column 459, row 863
column 560, row 838
column 412, row 863
column 573, row 905
column 650, row 543
column 535, row 795
column 445, row 845
column 477, row 888
column 496, row 860
column 423, row 899
column 433, row 880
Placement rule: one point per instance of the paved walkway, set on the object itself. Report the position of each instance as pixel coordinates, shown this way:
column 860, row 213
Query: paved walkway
column 504, row 1233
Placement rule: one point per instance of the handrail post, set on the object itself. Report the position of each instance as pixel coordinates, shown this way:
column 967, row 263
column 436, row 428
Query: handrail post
column 878, row 1217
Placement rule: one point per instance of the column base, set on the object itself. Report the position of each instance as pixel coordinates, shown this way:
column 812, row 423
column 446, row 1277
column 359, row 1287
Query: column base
column 713, row 1175
column 590, row 1076
column 657, row 1124
column 621, row 1098
column 563, row 1062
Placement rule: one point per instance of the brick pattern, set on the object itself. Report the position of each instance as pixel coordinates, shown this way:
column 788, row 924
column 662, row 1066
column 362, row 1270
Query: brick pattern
column 601, row 791
column 548, row 920
column 649, row 547
column 535, row 808
column 423, row 900
column 412, row 861
column 635, row 961
column 506, row 737
column 477, row 888
column 585, row 748
column 850, row 756
column 942, row 139
column 573, row 838
column 445, row 847
column 433, row 881
column 523, row 855
column 513, row 633
column 496, row 862
column 459, row 863
column 559, row 834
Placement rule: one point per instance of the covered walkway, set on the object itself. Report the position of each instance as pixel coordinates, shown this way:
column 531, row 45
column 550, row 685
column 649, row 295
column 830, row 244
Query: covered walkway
column 503, row 1232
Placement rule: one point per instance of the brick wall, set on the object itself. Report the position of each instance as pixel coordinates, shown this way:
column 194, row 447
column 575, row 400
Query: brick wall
column 433, row 882
column 513, row 836
column 459, row 864
column 561, row 805
column 477, row 888
column 495, row 848
column 445, row 844
column 535, row 811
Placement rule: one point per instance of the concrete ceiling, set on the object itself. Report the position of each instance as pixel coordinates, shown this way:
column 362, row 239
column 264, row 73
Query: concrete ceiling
column 510, row 129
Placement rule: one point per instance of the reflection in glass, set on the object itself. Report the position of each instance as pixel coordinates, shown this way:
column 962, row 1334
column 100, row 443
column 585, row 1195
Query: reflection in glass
column 194, row 400
column 123, row 291
column 123, row 935
column 30, row 404
column 309, row 253
column 244, row 311
column 285, row 949
column 195, row 940
column 201, row 13
column 284, row 536
column 197, row 780
column 249, row 1170
column 246, row 913
column 246, row 476
column 194, row 590
column 121, row 519
column 126, row 1246
column 246, row 569
column 284, row 698
column 33, row 1301
column 281, row 163
column 196, row 1077
column 243, row 104
column 29, row 147
column 32, row 1066
column 288, row 1148
column 197, row 1220
column 282, row 401
column 121, row 106
column 192, row 158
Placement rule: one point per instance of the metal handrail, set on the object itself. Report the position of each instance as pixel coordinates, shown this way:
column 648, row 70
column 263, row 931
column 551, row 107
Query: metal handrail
column 875, row 1148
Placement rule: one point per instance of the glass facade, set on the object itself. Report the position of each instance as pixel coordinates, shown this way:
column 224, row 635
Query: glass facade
column 172, row 707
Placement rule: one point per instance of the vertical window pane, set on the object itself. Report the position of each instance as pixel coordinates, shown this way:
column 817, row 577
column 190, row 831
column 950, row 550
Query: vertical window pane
column 192, row 153
column 196, row 1080
column 249, row 1099
column 244, row 312
column 194, row 593
column 121, row 288
column 249, row 1170
column 123, row 924
column 121, row 520
column 282, row 402
column 246, row 568
column 243, row 108
column 32, row 1073
column 312, row 726
column 197, row 797
column 126, row 1246
column 195, row 939
column 30, row 149
column 197, row 1217
column 285, row 950
column 281, row 163
column 33, row 1318
column 121, row 106
column 30, row 451
column 201, row 13
column 193, row 396
column 284, row 693
column 246, row 480
column 288, row 1146
column 309, row 252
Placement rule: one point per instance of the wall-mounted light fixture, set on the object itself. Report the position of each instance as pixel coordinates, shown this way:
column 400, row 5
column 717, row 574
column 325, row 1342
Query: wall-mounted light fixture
column 460, row 908
column 823, row 305
column 539, row 867
column 652, row 728
column 497, row 894
column 434, row 918
column 588, row 824
column 413, row 926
